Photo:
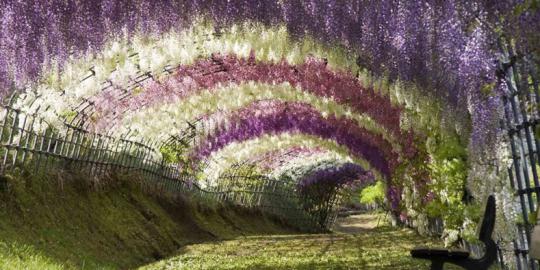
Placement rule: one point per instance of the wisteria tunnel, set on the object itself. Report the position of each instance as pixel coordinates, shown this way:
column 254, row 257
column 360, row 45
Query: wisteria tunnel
column 287, row 107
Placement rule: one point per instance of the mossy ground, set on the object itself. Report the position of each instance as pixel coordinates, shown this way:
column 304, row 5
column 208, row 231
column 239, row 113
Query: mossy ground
column 360, row 244
column 64, row 221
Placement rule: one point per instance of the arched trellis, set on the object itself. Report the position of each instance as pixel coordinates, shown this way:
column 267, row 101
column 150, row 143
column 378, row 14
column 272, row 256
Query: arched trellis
column 85, row 107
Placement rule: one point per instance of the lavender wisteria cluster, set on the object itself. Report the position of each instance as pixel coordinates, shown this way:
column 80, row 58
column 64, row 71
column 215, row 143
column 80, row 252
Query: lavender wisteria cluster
column 276, row 117
column 348, row 174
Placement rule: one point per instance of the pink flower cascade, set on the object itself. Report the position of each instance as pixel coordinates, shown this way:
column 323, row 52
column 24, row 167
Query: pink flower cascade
column 277, row 158
column 348, row 174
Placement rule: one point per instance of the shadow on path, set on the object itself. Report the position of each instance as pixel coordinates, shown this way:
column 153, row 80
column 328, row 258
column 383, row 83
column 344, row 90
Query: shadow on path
column 355, row 243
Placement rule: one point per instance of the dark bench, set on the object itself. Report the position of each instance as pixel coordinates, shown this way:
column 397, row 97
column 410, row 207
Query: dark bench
column 460, row 257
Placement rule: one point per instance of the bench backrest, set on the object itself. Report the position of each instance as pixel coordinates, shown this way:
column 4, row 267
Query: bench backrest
column 489, row 220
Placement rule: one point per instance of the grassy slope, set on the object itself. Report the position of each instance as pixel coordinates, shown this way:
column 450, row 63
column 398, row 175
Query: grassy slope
column 58, row 221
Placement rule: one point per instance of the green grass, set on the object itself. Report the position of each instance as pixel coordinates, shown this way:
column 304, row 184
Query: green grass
column 19, row 256
column 382, row 247
column 62, row 221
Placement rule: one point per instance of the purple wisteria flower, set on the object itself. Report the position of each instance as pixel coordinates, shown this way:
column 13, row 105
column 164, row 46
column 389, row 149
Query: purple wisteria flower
column 273, row 117
column 347, row 174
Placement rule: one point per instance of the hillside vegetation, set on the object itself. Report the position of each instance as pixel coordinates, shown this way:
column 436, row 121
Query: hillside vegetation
column 69, row 221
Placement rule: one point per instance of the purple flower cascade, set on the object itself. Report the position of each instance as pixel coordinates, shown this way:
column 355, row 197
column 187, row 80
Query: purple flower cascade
column 278, row 117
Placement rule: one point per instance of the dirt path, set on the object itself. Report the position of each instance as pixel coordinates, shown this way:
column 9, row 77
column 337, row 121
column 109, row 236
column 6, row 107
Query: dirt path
column 359, row 223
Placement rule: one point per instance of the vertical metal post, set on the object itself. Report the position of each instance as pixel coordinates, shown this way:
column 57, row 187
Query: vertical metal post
column 21, row 134
column 29, row 133
column 10, row 140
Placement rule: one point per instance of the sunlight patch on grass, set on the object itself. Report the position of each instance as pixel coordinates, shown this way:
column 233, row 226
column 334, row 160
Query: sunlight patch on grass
column 17, row 256
column 382, row 248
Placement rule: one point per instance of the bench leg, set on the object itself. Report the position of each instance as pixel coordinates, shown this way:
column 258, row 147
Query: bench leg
column 437, row 265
